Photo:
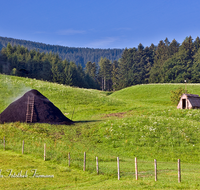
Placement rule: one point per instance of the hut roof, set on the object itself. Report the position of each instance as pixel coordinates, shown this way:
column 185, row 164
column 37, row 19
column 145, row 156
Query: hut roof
column 192, row 95
column 195, row 102
column 43, row 111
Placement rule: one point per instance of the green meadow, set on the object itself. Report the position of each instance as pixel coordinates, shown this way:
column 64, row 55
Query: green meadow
column 139, row 121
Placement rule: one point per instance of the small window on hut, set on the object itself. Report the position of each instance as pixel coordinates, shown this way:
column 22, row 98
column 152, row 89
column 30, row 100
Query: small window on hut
column 183, row 103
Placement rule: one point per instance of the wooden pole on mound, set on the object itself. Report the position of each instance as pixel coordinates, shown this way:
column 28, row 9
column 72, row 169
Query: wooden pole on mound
column 72, row 114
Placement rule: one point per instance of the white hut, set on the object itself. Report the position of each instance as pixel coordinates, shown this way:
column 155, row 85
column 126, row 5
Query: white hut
column 189, row 101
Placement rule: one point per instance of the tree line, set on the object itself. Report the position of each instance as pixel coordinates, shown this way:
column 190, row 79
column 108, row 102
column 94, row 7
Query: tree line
column 19, row 61
column 78, row 55
column 168, row 62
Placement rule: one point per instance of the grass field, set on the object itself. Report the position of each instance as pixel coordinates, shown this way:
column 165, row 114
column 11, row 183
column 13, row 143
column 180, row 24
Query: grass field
column 138, row 121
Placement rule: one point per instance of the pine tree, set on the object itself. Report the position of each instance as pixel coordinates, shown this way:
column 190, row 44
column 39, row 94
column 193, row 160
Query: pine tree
column 104, row 72
column 114, row 73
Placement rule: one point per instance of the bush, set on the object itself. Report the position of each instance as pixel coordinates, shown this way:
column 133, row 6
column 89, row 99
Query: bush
column 176, row 95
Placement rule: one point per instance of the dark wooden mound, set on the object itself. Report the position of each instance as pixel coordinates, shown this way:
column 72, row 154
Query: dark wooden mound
column 44, row 111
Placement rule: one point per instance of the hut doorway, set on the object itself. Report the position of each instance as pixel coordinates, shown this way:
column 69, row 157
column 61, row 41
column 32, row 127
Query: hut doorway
column 183, row 103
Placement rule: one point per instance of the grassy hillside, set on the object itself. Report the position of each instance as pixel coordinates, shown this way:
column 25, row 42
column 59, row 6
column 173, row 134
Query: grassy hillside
column 83, row 102
column 138, row 121
column 155, row 94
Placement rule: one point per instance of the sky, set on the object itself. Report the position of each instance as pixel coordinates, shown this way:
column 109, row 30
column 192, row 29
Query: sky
column 100, row 23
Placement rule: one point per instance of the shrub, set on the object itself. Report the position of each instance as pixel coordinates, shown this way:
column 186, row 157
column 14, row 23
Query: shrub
column 176, row 95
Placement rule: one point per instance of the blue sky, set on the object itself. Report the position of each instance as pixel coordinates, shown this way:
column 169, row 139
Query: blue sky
column 100, row 23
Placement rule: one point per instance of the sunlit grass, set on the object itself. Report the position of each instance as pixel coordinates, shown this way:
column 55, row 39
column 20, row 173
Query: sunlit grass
column 138, row 121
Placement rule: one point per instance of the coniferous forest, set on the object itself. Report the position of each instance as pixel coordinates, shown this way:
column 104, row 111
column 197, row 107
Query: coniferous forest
column 167, row 62
column 78, row 55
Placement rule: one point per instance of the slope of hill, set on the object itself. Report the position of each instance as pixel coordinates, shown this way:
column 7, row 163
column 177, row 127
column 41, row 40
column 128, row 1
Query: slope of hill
column 138, row 121
column 78, row 55
column 153, row 93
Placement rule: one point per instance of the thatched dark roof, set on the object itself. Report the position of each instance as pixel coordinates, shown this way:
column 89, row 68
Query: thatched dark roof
column 44, row 111
column 192, row 95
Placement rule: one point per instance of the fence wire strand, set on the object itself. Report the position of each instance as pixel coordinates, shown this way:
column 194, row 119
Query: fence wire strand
column 57, row 152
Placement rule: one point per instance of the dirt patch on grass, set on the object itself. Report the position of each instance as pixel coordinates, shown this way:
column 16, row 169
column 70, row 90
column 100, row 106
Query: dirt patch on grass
column 119, row 115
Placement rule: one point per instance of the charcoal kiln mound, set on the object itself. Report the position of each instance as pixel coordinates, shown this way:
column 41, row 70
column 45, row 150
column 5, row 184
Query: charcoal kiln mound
column 33, row 107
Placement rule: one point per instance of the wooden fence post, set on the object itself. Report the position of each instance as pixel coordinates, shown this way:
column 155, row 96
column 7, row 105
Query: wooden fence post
column 84, row 164
column 179, row 170
column 44, row 151
column 97, row 165
column 23, row 147
column 4, row 143
column 136, row 169
column 69, row 159
column 118, row 170
column 155, row 165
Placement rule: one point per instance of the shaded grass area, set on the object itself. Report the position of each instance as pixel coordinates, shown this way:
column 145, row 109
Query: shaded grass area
column 70, row 178
column 64, row 177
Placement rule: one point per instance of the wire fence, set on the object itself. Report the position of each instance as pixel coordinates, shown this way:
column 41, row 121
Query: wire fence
column 117, row 167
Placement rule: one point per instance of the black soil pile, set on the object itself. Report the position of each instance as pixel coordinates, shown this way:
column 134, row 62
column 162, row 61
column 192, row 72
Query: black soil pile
column 44, row 111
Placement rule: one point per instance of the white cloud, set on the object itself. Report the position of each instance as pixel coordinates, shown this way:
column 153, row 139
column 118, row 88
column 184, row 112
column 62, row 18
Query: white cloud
column 70, row 32
column 102, row 43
